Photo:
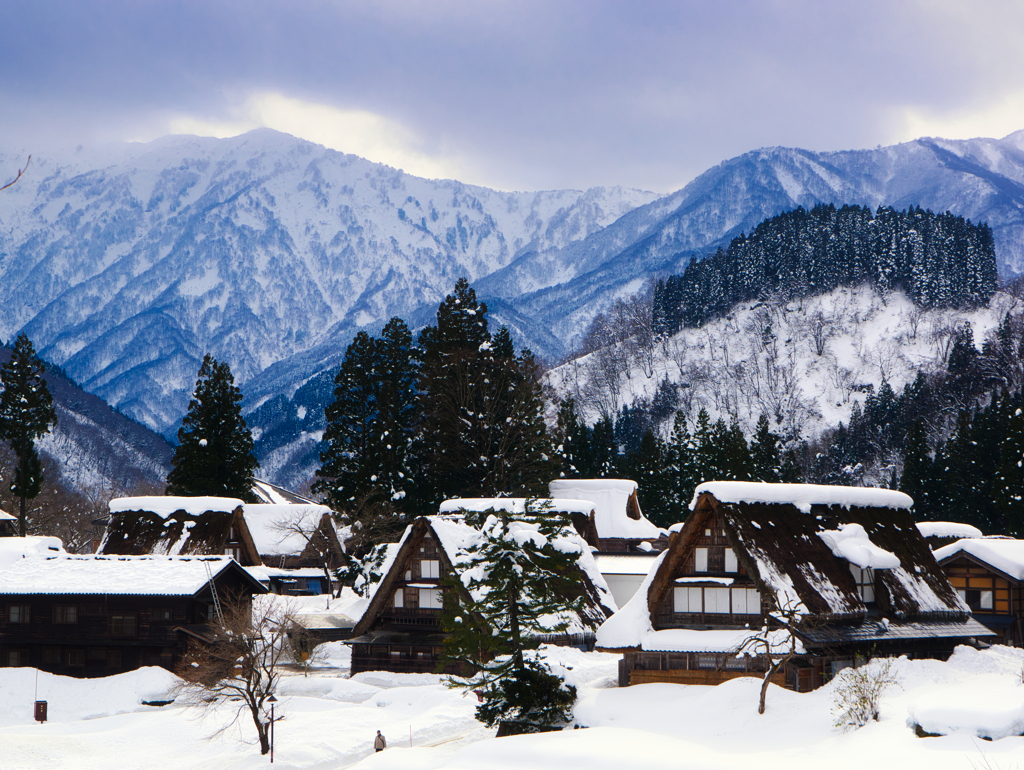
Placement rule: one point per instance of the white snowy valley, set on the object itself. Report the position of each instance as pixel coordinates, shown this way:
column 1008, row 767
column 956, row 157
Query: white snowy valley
column 330, row 720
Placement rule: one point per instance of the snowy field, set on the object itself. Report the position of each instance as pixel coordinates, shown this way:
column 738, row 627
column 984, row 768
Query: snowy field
column 330, row 721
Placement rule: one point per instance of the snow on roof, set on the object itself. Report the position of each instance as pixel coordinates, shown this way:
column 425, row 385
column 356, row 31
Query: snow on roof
column 632, row 623
column 164, row 506
column 275, row 495
column 947, row 529
column 515, row 504
column 1007, row 556
column 610, row 498
column 623, row 564
column 713, row 640
column 5, row 516
column 14, row 549
column 852, row 543
column 264, row 574
column 275, row 528
column 803, row 496
column 135, row 575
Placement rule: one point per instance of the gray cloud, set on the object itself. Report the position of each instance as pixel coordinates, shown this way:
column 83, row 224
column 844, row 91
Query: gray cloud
column 528, row 94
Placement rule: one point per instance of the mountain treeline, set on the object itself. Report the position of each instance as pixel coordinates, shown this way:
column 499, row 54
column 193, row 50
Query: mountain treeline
column 939, row 260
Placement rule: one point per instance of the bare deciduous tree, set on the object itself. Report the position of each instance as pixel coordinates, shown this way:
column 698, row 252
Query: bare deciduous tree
column 240, row 667
column 776, row 641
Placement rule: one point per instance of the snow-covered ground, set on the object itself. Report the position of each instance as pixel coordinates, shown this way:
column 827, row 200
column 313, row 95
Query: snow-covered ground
column 330, row 721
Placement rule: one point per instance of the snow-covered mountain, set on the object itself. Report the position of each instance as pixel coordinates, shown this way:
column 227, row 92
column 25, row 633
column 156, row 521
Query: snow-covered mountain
column 981, row 179
column 127, row 264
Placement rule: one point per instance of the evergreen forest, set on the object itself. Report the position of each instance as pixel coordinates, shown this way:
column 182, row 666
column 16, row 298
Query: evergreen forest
column 938, row 260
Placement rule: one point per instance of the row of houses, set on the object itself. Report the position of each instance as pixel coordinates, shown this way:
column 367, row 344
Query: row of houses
column 850, row 565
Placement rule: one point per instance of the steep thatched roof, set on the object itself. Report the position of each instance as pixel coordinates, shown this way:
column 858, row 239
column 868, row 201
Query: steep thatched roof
column 176, row 526
column 453, row 535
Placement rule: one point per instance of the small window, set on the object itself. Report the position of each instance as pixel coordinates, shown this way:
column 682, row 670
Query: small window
column 51, row 656
column 985, row 601
column 18, row 613
column 76, row 658
column 122, row 625
column 731, row 565
column 700, row 560
column 400, row 598
column 716, row 601
column 161, row 615
column 114, row 659
column 16, row 658
column 430, row 599
column 408, row 574
column 865, row 580
column 65, row 614
column 430, row 568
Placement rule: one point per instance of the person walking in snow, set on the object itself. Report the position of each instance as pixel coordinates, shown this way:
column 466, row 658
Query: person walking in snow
column 379, row 744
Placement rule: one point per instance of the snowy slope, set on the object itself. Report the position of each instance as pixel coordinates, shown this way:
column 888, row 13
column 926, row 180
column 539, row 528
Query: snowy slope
column 126, row 264
column 730, row 367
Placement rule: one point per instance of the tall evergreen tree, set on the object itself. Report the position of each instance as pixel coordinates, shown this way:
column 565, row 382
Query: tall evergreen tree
column 764, row 453
column 215, row 454
column 917, row 477
column 26, row 414
column 368, row 461
column 482, row 431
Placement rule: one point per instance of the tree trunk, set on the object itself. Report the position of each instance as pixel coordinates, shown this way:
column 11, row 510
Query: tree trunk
column 21, row 519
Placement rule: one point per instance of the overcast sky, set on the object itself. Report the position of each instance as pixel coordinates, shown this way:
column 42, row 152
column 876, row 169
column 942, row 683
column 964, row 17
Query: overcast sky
column 516, row 95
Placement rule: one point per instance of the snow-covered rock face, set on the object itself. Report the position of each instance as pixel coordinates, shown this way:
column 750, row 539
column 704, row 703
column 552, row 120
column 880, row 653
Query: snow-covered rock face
column 126, row 265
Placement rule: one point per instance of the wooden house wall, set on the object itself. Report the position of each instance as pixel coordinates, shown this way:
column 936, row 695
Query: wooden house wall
column 92, row 645
column 970, row 576
column 709, row 534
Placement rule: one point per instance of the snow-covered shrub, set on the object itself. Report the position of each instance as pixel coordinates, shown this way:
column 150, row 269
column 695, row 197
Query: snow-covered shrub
column 858, row 693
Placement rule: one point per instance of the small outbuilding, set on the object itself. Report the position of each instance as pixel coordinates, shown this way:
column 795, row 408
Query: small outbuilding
column 987, row 573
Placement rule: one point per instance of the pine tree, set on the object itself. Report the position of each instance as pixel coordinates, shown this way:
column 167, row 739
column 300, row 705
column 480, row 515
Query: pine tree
column 916, row 479
column 215, row 454
column 26, row 414
column 519, row 581
column 368, row 460
column 1010, row 494
column 764, row 453
column 482, row 431
column 651, row 468
column 680, row 453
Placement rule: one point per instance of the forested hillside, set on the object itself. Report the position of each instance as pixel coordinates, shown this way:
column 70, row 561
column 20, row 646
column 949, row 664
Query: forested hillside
column 938, row 260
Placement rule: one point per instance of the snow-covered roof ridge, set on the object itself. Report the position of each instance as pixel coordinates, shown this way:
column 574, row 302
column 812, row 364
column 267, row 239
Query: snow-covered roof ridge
column 616, row 511
column 165, row 505
column 851, row 542
column 947, row 529
column 97, row 574
column 515, row 504
column 14, row 549
column 803, row 496
column 1006, row 555
column 275, row 528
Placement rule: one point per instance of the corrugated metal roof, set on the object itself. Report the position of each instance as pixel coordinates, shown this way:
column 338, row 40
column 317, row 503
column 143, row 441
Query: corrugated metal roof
column 877, row 631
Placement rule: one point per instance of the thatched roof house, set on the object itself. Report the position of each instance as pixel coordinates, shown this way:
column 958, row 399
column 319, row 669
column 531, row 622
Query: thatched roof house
column 399, row 628
column 187, row 526
column 283, row 536
column 848, row 562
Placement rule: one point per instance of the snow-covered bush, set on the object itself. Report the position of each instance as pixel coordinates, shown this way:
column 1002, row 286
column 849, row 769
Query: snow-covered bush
column 858, row 693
